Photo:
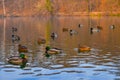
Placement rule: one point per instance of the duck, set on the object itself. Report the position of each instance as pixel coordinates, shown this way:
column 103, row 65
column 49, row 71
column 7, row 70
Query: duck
column 65, row 29
column 94, row 29
column 84, row 49
column 80, row 25
column 54, row 35
column 18, row 60
column 72, row 32
column 112, row 27
column 99, row 27
column 14, row 29
column 24, row 61
column 41, row 41
column 15, row 38
column 52, row 51
column 22, row 49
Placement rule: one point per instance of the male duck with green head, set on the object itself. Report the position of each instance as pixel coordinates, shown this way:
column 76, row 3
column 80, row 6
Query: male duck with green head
column 24, row 60
column 52, row 51
column 46, row 52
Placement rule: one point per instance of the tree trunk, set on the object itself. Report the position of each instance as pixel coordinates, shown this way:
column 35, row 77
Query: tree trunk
column 4, row 11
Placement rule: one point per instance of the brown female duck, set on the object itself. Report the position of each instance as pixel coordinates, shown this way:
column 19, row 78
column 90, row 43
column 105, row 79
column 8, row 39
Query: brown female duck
column 22, row 48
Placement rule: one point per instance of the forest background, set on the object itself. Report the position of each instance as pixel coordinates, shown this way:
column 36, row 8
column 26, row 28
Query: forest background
column 59, row 7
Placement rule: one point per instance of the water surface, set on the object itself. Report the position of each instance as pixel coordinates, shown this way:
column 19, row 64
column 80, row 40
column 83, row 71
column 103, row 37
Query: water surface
column 101, row 63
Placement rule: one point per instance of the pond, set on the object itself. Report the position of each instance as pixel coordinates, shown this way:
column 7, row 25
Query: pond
column 102, row 62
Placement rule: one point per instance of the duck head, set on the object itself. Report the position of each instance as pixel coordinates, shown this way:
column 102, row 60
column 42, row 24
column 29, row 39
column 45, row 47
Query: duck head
column 47, row 48
column 24, row 61
column 22, row 56
column 19, row 45
column 46, row 52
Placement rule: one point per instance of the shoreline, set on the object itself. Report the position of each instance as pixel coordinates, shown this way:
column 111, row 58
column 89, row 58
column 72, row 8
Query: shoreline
column 90, row 14
column 69, row 14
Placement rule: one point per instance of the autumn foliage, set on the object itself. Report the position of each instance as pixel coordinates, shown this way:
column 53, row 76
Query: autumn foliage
column 60, row 7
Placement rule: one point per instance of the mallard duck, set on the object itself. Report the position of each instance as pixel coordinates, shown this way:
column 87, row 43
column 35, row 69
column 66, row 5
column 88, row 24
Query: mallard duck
column 99, row 27
column 41, row 41
column 73, row 32
column 112, row 27
column 80, row 25
column 22, row 48
column 14, row 29
column 15, row 38
column 65, row 29
column 17, row 60
column 52, row 50
column 84, row 49
column 54, row 35
column 94, row 30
